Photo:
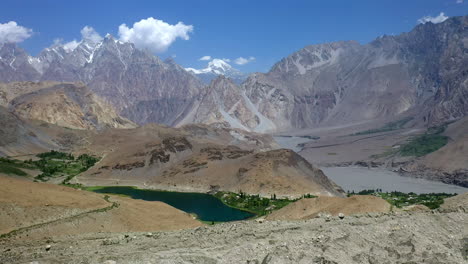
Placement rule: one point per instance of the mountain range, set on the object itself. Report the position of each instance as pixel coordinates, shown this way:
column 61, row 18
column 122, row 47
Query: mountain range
column 421, row 73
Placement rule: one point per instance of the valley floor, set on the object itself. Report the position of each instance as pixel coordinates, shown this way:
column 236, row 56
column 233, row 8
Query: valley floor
column 386, row 147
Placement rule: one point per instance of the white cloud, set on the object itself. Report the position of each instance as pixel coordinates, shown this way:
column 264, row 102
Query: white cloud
column 205, row 58
column 459, row 1
column 11, row 32
column 154, row 34
column 242, row 60
column 435, row 20
column 90, row 34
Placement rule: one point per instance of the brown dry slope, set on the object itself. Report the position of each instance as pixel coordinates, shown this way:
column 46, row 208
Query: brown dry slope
column 178, row 159
column 40, row 210
column 70, row 105
column 310, row 208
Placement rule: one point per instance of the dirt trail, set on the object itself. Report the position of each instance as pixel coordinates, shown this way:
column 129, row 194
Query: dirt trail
column 30, row 210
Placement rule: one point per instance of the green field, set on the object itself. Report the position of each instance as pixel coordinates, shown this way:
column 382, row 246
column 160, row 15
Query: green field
column 399, row 199
column 399, row 124
column 421, row 145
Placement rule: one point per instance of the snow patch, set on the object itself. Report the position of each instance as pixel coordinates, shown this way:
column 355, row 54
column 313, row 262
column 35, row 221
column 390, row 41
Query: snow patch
column 91, row 57
column 11, row 63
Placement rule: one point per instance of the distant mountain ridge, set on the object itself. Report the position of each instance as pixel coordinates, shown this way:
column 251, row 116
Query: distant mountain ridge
column 421, row 73
column 137, row 83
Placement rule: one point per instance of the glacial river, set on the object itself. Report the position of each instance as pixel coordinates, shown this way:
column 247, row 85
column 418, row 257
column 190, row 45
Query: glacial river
column 358, row 178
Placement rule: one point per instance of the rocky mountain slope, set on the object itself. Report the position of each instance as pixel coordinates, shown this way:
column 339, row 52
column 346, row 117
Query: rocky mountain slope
column 138, row 84
column 226, row 105
column 64, row 104
column 345, row 82
column 419, row 73
column 18, row 136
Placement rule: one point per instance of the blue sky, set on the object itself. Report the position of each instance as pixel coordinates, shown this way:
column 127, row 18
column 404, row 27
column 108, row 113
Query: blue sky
column 266, row 30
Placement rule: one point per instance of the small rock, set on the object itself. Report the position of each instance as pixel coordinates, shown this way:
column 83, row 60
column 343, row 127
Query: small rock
column 48, row 247
column 260, row 220
column 341, row 215
column 110, row 262
column 149, row 234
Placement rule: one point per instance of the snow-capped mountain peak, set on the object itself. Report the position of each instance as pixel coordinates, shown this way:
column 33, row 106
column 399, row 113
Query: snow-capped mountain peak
column 218, row 67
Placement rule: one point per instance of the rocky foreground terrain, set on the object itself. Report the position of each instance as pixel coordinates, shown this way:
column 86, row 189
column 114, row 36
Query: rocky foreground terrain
column 432, row 237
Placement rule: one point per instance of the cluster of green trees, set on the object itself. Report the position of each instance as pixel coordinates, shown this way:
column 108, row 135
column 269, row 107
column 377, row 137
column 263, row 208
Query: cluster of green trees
column 252, row 203
column 400, row 199
column 364, row 192
column 55, row 155
column 13, row 167
column 56, row 163
column 399, row 124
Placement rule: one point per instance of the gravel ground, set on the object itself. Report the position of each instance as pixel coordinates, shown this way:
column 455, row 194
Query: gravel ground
column 371, row 238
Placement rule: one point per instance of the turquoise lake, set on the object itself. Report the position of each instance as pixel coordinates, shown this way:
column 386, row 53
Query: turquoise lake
column 205, row 206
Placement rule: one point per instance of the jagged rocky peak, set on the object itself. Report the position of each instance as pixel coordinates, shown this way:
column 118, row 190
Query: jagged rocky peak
column 312, row 56
column 15, row 64
column 172, row 64
column 136, row 82
column 225, row 104
column 344, row 82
